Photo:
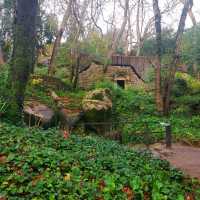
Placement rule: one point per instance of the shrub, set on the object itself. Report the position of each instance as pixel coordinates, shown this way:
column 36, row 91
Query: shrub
column 186, row 95
column 41, row 70
column 143, row 129
column 108, row 84
column 180, row 87
column 192, row 83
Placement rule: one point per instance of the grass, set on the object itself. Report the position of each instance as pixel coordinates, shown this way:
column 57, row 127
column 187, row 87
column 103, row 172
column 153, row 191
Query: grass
column 36, row 164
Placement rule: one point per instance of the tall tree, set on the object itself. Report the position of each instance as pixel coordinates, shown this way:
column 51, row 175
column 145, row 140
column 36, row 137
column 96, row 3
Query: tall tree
column 173, row 66
column 79, row 28
column 194, row 22
column 116, row 40
column 59, row 37
column 157, row 16
column 123, row 26
column 191, row 14
column 23, row 56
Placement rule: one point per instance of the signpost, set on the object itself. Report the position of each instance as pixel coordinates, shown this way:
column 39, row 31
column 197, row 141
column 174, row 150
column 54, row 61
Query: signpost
column 168, row 134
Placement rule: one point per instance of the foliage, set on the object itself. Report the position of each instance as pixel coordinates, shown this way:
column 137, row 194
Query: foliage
column 129, row 101
column 47, row 28
column 93, row 45
column 64, row 58
column 147, row 129
column 39, row 164
column 39, row 93
column 75, row 98
column 149, row 76
column 96, row 45
column 135, row 116
column 186, row 94
column 149, row 47
column 186, row 128
column 190, row 46
column 65, row 62
column 132, row 108
column 193, row 85
column 39, row 88
column 41, row 70
column 144, row 129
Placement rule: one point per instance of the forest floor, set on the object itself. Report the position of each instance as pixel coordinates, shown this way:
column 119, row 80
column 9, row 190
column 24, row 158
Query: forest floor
column 183, row 157
column 42, row 164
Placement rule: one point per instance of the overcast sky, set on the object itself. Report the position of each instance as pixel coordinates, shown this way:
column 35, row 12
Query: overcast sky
column 196, row 11
column 171, row 20
column 167, row 20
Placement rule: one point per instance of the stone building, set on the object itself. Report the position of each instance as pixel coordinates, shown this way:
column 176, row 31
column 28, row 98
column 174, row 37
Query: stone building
column 125, row 71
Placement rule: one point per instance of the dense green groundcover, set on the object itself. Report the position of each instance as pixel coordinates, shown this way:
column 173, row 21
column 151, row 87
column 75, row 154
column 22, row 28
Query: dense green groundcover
column 38, row 164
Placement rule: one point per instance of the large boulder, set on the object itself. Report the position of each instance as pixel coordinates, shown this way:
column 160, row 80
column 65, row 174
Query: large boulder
column 97, row 106
column 38, row 114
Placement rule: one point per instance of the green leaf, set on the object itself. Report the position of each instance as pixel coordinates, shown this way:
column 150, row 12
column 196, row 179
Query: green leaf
column 136, row 183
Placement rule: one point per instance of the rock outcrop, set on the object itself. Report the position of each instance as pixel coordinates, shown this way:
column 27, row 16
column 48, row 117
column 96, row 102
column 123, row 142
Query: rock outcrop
column 98, row 100
column 67, row 116
column 97, row 106
column 38, row 114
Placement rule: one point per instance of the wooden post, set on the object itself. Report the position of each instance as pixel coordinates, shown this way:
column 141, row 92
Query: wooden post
column 168, row 136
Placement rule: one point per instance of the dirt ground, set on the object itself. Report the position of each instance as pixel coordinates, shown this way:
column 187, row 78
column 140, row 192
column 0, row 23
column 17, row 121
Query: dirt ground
column 186, row 158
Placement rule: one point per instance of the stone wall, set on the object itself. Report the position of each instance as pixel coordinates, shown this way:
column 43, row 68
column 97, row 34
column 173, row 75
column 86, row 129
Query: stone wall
column 95, row 73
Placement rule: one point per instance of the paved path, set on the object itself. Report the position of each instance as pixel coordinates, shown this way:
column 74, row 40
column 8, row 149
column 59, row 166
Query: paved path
column 185, row 158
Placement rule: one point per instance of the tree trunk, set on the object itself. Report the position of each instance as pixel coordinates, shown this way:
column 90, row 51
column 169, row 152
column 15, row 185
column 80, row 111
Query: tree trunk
column 138, row 27
column 123, row 26
column 139, row 47
column 59, row 35
column 191, row 14
column 192, row 17
column 170, row 81
column 194, row 22
column 23, row 56
column 157, row 15
column 1, row 57
column 75, row 42
column 76, row 77
column 116, row 41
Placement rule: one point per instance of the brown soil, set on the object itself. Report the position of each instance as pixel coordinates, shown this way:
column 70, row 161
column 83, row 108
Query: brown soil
column 186, row 158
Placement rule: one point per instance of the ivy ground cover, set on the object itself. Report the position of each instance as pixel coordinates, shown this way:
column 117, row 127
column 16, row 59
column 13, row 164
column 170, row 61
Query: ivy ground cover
column 37, row 165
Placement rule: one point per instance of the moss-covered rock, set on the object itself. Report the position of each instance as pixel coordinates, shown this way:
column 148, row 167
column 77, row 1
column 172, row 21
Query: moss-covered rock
column 97, row 106
column 99, row 100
